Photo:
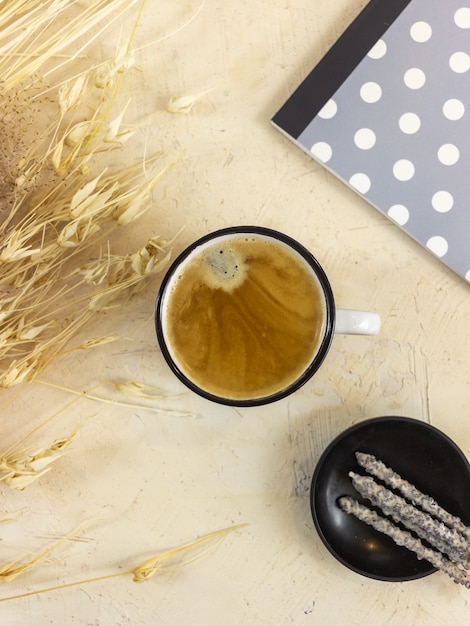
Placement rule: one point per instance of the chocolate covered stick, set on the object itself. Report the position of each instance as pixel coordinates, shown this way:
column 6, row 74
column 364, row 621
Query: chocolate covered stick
column 404, row 538
column 390, row 477
column 440, row 536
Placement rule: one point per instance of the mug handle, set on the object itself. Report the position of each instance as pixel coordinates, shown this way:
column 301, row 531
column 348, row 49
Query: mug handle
column 352, row 322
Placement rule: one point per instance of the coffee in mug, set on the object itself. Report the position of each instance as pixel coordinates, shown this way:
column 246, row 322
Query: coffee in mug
column 245, row 316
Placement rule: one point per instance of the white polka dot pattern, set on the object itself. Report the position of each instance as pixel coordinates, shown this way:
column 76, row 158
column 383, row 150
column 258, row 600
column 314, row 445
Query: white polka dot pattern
column 421, row 32
column 328, row 111
column 371, row 92
column 459, row 62
column 399, row 214
column 378, row 50
column 438, row 245
column 448, row 154
column 365, row 138
column 453, row 109
column 397, row 129
column 409, row 123
column 322, row 151
column 360, row 181
column 442, row 201
column 414, row 78
column 462, row 17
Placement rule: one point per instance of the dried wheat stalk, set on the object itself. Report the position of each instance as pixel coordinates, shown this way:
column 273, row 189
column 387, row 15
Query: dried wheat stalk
column 159, row 564
column 20, row 469
column 60, row 202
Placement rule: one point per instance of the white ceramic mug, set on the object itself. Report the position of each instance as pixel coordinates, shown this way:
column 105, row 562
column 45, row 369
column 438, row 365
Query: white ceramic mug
column 227, row 259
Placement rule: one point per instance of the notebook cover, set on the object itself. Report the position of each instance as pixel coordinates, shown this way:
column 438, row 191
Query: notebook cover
column 387, row 110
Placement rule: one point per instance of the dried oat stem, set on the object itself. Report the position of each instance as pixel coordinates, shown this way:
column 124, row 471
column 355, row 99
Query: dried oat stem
column 61, row 202
column 14, row 569
column 178, row 29
column 20, row 469
column 112, row 401
column 27, row 26
column 142, row 572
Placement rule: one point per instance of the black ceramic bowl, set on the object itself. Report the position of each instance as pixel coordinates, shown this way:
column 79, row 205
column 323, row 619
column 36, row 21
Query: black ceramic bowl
column 421, row 454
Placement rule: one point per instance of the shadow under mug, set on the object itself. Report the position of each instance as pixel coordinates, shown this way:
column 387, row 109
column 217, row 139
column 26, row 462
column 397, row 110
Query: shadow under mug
column 334, row 320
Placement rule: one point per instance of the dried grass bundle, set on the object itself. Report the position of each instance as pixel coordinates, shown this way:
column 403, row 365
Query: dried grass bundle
column 61, row 202
column 60, row 199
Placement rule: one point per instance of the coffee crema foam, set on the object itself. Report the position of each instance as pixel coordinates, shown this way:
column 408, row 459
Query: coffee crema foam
column 223, row 268
column 244, row 317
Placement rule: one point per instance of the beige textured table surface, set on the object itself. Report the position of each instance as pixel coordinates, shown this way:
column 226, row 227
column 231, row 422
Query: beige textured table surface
column 144, row 481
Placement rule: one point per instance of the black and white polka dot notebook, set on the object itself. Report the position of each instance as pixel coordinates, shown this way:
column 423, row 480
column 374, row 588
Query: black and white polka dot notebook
column 387, row 110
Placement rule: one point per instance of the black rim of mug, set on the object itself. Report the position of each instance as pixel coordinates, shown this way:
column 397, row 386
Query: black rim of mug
column 329, row 326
